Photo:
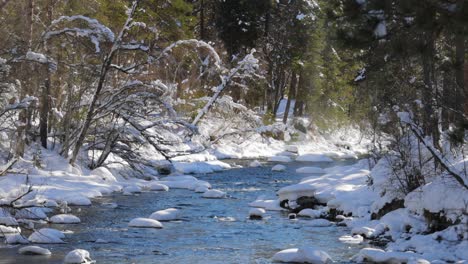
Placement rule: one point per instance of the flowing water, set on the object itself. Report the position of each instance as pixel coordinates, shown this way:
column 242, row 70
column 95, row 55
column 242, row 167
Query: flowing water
column 211, row 231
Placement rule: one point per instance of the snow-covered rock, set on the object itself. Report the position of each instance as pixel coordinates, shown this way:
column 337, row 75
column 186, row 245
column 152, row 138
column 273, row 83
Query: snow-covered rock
column 256, row 213
column 15, row 239
column 310, row 213
column 214, row 194
column 166, row 215
column 155, row 186
column 306, row 254
column 293, row 149
column 310, row 170
column 255, row 164
column 65, row 219
column 44, row 237
column 34, row 250
column 51, row 232
column 375, row 255
column 8, row 230
column 313, row 157
column 356, row 239
column 278, row 167
column 145, row 222
column 293, row 192
column 78, row 256
column 280, row 159
column 201, row 189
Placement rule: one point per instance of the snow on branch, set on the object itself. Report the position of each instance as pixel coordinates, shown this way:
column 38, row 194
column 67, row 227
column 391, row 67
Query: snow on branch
column 95, row 31
column 196, row 44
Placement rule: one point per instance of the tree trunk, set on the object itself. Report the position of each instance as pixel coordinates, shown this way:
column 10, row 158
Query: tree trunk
column 292, row 92
column 202, row 20
column 102, row 79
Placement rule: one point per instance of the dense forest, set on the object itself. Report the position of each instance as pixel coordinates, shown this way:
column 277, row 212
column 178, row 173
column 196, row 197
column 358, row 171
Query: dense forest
column 136, row 85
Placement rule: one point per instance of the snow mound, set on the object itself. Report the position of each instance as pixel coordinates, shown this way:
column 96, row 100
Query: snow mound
column 310, row 170
column 201, row 189
column 201, row 167
column 65, row 219
column 214, row 194
column 34, row 250
column 145, row 222
column 293, row 192
column 155, row 186
column 278, row 167
column 15, row 239
column 51, row 232
column 310, row 213
column 280, row 159
column 313, row 157
column 307, row 254
column 257, row 212
column 375, row 255
column 184, row 182
column 42, row 237
column 166, row 215
column 78, row 256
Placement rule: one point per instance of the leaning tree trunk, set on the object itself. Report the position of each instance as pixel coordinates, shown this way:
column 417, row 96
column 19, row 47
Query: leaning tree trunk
column 102, row 79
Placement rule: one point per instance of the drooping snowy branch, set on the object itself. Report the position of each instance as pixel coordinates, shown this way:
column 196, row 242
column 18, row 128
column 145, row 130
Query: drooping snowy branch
column 95, row 31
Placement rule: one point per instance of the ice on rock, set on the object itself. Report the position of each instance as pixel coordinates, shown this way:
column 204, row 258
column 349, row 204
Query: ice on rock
column 278, row 167
column 310, row 170
column 375, row 255
column 280, row 159
column 214, row 194
column 306, row 254
column 356, row 239
column 310, row 213
column 8, row 221
column 34, row 250
column 78, row 256
column 155, row 186
column 319, row 223
column 145, row 222
column 15, row 239
column 65, row 219
column 255, row 164
column 42, row 237
column 313, row 158
column 256, row 213
column 166, row 215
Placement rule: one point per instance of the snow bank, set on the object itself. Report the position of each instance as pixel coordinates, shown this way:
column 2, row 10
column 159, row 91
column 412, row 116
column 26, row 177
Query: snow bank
column 184, row 182
column 375, row 255
column 356, row 239
column 145, row 222
column 156, row 186
column 284, row 159
column 306, row 254
column 201, row 167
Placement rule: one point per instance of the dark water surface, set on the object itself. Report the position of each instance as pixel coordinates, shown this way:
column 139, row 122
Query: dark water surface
column 212, row 230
